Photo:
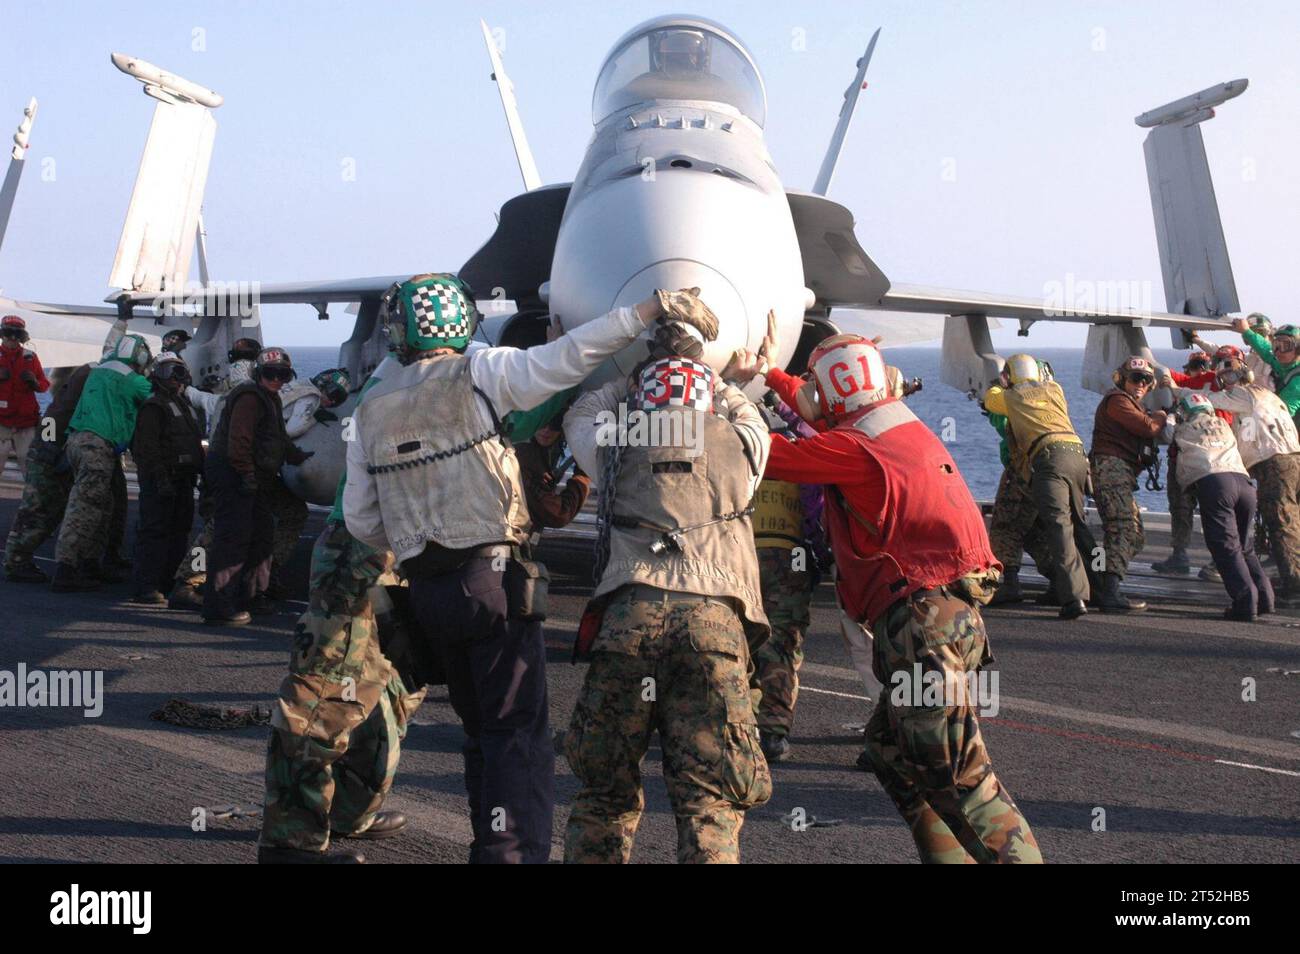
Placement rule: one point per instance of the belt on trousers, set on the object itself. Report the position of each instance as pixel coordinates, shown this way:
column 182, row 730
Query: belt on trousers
column 1078, row 448
column 653, row 594
column 434, row 560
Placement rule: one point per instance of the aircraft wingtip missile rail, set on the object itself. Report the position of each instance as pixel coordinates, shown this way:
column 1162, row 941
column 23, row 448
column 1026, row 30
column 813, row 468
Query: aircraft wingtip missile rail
column 160, row 84
column 24, row 130
column 1196, row 107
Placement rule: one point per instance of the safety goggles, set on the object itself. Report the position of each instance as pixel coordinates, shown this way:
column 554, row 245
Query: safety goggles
column 1283, row 343
column 1141, row 377
column 16, row 333
column 277, row 374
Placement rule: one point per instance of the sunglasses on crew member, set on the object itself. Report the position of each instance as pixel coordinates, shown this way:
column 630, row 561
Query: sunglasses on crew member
column 1140, row 377
column 277, row 374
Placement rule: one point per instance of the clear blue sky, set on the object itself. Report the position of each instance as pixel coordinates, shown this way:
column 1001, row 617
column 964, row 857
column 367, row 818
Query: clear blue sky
column 1049, row 172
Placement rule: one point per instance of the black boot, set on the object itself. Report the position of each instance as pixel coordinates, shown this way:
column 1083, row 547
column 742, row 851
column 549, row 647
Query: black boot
column 185, row 597
column 25, row 571
column 1008, row 590
column 385, row 825
column 1176, row 564
column 68, row 580
column 776, row 748
column 1073, row 610
column 1113, row 601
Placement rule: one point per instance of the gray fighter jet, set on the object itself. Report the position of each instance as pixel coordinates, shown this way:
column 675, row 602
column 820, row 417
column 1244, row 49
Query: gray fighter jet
column 676, row 189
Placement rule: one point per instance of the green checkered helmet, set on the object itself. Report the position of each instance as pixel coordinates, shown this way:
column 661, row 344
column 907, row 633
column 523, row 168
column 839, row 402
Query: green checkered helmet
column 1287, row 331
column 333, row 385
column 430, row 311
column 1259, row 323
column 1193, row 403
column 131, row 350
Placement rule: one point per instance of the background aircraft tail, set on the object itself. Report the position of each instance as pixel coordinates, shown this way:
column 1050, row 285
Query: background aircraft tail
column 1189, row 234
column 157, row 243
column 1193, row 253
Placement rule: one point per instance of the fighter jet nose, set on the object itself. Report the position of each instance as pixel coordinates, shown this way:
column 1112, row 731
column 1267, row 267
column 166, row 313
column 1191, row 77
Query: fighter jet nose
column 715, row 291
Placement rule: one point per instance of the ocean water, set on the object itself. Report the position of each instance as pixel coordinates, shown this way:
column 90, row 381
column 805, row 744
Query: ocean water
column 971, row 440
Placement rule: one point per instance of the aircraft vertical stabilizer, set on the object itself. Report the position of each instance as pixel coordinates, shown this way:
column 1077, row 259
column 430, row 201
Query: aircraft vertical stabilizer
column 1193, row 253
column 162, row 220
column 17, row 159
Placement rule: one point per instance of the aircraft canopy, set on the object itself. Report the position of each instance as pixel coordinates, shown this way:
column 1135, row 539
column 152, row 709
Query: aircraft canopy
column 675, row 59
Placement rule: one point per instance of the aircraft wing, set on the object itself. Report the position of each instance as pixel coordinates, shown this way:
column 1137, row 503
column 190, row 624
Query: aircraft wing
column 65, row 336
column 929, row 300
column 276, row 293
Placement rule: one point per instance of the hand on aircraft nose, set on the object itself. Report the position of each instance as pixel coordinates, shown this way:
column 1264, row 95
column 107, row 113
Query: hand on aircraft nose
column 767, row 349
column 743, row 365
column 684, row 305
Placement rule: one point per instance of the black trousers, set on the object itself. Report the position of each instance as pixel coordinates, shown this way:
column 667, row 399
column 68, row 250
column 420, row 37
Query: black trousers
column 243, row 530
column 1057, row 485
column 1227, row 512
column 496, row 678
column 162, row 532
column 116, row 546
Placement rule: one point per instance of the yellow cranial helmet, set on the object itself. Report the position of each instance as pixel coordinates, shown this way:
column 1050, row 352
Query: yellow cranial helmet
column 1021, row 368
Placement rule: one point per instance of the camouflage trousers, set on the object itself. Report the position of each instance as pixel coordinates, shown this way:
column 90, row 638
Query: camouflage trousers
column 342, row 711
column 45, row 501
column 84, row 535
column 1279, row 504
column 787, row 595
column 931, row 758
column 1182, row 508
column 45, row 498
column 1113, row 483
column 1014, row 528
column 679, row 666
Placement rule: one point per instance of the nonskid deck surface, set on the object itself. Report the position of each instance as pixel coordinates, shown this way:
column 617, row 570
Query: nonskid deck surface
column 1136, row 722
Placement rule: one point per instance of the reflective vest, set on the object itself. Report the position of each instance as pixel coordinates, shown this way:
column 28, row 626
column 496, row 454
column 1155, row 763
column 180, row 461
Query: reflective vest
column 1206, row 445
column 270, row 442
column 704, row 492
column 778, row 515
column 927, row 531
column 442, row 476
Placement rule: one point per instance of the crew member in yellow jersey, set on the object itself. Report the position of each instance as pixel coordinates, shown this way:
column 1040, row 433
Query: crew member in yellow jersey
column 1056, row 466
column 786, row 566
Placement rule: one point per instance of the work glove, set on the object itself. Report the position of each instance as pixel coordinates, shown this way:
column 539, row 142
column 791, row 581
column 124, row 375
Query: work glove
column 674, row 338
column 30, row 378
column 247, row 485
column 685, row 306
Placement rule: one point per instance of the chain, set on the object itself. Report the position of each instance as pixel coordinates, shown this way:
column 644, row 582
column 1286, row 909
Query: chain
column 193, row 715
